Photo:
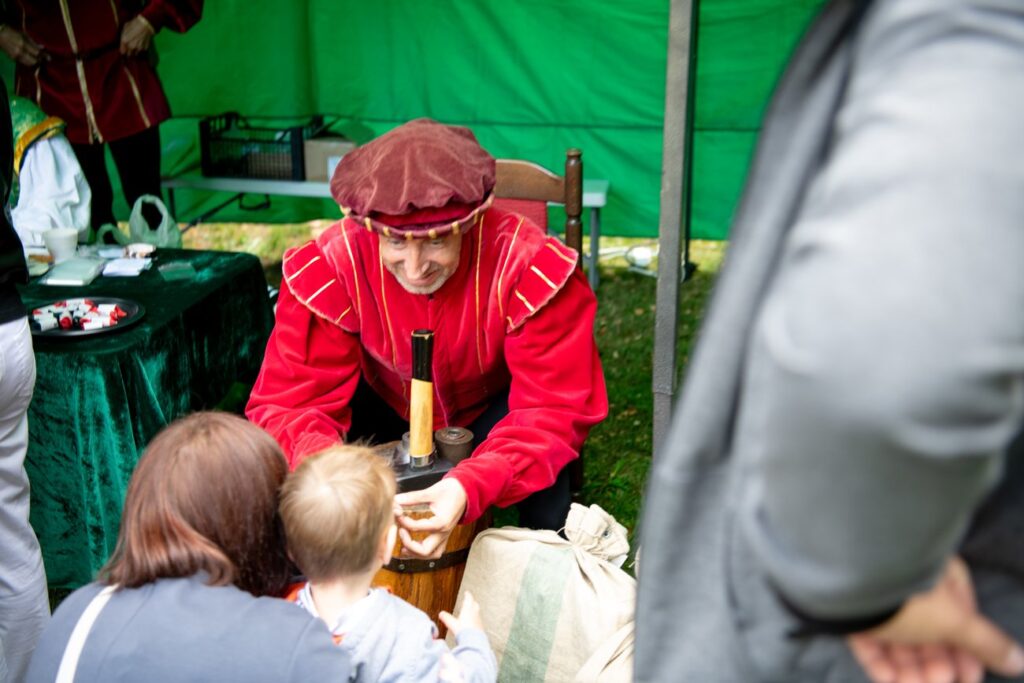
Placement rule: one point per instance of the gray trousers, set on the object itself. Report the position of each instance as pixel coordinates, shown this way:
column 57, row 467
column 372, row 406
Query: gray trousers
column 24, row 607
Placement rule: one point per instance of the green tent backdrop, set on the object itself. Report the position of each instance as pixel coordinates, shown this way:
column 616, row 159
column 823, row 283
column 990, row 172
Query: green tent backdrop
column 530, row 77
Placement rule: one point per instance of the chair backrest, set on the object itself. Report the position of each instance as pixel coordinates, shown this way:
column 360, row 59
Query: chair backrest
column 526, row 188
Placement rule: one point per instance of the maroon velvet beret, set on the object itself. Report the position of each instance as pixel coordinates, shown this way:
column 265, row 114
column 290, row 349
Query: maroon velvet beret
column 422, row 179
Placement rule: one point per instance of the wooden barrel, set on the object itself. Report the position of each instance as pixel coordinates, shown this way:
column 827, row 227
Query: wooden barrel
column 431, row 585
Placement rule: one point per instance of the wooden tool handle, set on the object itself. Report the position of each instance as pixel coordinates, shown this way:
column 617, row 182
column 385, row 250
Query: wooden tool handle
column 421, row 395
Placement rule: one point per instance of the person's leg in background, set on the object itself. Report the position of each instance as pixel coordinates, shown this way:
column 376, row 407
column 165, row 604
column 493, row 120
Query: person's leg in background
column 24, row 605
column 94, row 166
column 137, row 158
column 545, row 509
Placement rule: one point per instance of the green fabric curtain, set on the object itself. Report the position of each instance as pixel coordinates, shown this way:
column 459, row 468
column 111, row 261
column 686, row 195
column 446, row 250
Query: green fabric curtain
column 531, row 77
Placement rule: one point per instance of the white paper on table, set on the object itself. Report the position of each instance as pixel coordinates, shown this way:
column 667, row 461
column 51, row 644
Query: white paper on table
column 110, row 252
column 126, row 267
column 75, row 272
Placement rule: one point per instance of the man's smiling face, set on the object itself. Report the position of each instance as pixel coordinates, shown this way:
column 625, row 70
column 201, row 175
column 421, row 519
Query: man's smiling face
column 421, row 266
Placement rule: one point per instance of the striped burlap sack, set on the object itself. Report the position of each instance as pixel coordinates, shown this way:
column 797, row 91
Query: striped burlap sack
column 556, row 609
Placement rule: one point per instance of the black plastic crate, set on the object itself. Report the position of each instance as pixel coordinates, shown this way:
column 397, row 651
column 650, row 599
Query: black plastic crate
column 230, row 146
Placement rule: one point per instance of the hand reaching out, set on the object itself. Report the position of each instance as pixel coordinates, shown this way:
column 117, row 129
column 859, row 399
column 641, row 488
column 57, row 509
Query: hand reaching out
column 469, row 616
column 20, row 47
column 136, row 36
column 938, row 637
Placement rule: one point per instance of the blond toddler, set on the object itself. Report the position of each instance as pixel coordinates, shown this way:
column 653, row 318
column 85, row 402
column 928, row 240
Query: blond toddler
column 338, row 511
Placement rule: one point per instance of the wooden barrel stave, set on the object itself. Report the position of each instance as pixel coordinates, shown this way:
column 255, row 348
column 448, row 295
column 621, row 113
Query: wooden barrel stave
column 432, row 589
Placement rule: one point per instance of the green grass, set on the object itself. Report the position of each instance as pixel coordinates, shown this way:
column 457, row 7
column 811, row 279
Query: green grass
column 618, row 452
column 266, row 241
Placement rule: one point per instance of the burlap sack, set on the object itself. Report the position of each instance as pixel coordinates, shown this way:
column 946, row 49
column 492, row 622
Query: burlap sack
column 556, row 609
column 612, row 662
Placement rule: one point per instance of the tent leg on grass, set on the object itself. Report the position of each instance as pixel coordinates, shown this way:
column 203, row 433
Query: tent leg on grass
column 674, row 217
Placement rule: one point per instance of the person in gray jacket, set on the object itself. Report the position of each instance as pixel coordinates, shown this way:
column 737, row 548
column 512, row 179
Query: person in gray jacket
column 200, row 543
column 850, row 426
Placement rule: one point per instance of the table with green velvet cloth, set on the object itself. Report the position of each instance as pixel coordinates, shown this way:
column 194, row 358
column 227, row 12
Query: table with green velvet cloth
column 99, row 399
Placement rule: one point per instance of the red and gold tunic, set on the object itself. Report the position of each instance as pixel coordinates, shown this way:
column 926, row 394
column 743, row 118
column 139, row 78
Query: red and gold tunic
column 84, row 79
column 517, row 316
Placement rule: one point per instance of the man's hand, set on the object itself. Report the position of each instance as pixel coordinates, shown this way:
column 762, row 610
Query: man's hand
column 136, row 36
column 447, row 501
column 20, row 47
column 938, row 637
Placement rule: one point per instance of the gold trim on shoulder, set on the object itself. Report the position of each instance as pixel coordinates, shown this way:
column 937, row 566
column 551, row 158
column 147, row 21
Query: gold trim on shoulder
column 543, row 277
column 299, row 271
column 560, row 254
column 337, row 321
column 317, row 292
column 525, row 302
column 288, row 257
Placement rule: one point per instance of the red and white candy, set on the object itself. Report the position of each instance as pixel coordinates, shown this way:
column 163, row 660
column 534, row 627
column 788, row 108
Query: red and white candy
column 77, row 314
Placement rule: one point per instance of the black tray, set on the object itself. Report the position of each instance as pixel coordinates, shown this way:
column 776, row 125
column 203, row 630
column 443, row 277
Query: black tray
column 134, row 310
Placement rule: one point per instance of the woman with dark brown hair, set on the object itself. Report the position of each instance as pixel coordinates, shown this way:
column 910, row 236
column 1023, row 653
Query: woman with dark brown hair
column 180, row 599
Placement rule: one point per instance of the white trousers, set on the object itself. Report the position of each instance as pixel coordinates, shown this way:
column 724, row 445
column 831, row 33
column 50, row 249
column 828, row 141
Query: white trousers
column 24, row 607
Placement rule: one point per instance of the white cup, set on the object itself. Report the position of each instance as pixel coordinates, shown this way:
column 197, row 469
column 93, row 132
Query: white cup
column 62, row 243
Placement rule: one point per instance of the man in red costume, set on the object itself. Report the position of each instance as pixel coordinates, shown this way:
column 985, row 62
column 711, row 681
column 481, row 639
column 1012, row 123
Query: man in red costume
column 513, row 317
column 88, row 62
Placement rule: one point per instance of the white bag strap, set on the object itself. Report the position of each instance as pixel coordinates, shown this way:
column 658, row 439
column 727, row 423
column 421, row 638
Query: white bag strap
column 69, row 662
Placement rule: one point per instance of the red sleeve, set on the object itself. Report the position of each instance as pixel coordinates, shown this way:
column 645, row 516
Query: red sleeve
column 309, row 375
column 177, row 15
column 557, row 394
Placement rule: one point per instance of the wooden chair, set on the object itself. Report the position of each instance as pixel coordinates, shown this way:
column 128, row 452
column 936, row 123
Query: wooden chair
column 527, row 188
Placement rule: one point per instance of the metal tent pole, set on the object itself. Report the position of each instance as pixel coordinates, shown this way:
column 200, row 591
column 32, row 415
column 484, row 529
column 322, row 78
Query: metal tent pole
column 674, row 218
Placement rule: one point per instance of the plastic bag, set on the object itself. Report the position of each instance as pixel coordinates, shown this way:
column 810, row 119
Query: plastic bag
column 166, row 234
column 117, row 236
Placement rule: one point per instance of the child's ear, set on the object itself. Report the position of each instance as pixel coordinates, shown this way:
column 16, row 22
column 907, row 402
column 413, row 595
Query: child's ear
column 387, row 543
